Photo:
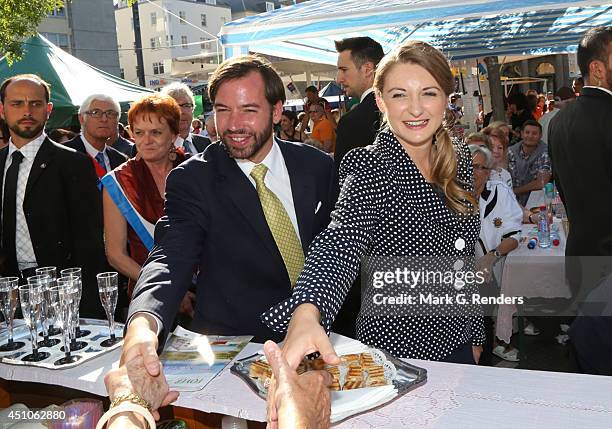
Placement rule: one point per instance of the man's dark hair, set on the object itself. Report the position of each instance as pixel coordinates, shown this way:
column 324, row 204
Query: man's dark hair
column 363, row 50
column 565, row 93
column 17, row 77
column 312, row 88
column 533, row 123
column 239, row 67
column 594, row 46
column 519, row 100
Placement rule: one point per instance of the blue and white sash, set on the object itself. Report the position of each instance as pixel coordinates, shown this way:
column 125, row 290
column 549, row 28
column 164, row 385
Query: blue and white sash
column 142, row 227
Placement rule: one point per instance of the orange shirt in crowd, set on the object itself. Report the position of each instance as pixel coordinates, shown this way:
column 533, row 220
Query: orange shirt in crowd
column 325, row 130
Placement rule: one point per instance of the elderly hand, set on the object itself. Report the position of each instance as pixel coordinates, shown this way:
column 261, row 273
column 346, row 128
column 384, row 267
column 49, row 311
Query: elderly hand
column 133, row 377
column 485, row 265
column 299, row 400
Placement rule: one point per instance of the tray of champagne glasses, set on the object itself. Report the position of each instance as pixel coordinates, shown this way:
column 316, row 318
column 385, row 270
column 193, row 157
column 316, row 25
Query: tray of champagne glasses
column 51, row 334
column 87, row 346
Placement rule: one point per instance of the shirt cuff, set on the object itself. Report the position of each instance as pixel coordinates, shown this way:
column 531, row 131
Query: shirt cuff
column 157, row 320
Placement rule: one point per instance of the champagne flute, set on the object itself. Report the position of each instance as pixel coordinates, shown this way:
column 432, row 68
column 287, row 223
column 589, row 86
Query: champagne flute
column 64, row 294
column 51, row 309
column 43, row 281
column 9, row 295
column 31, row 297
column 108, row 287
column 76, row 271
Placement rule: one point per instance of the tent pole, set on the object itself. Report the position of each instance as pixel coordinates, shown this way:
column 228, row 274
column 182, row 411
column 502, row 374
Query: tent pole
column 138, row 44
column 495, row 89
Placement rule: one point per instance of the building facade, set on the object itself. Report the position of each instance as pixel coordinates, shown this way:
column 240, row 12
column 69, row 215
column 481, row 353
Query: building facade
column 172, row 32
column 85, row 29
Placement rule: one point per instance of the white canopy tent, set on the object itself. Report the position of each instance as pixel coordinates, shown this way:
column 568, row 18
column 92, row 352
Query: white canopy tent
column 460, row 28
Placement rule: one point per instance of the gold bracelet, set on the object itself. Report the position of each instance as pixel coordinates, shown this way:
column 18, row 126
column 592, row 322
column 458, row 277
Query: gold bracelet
column 133, row 398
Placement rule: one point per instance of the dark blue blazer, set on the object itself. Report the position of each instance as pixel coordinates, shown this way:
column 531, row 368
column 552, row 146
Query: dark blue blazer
column 115, row 157
column 124, row 146
column 213, row 220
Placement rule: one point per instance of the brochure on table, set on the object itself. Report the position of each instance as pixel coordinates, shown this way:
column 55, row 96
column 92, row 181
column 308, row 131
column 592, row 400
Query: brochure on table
column 191, row 360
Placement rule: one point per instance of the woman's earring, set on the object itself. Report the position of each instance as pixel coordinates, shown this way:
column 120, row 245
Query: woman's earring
column 172, row 156
column 138, row 156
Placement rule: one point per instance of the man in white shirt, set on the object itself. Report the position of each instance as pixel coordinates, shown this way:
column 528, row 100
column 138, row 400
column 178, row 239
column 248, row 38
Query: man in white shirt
column 51, row 208
column 191, row 143
column 98, row 116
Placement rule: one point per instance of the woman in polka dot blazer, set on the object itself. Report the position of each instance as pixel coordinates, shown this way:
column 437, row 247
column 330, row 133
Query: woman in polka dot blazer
column 408, row 195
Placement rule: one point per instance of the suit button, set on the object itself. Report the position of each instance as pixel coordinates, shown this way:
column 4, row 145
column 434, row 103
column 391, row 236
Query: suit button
column 460, row 244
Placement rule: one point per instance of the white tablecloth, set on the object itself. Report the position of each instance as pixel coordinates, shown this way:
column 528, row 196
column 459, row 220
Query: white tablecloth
column 455, row 396
column 531, row 273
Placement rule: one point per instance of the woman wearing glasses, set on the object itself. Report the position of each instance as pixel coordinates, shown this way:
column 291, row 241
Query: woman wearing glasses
column 406, row 200
column 133, row 195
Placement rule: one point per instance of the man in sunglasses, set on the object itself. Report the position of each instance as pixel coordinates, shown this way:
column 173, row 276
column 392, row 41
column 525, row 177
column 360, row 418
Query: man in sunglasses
column 98, row 116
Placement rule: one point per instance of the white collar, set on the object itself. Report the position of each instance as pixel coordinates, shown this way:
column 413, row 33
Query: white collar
column 179, row 140
column 598, row 87
column 273, row 161
column 91, row 150
column 366, row 93
column 30, row 149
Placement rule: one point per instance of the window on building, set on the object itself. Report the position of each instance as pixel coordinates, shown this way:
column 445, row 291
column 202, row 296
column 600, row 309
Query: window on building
column 153, row 42
column 153, row 18
column 184, row 41
column 122, row 73
column 269, row 6
column 214, row 2
column 202, row 44
column 59, row 12
column 158, row 68
column 183, row 17
column 58, row 39
column 203, row 19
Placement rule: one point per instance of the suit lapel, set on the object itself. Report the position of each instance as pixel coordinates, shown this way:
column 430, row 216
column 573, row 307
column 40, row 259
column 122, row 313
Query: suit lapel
column 3, row 155
column 79, row 145
column 41, row 162
column 232, row 183
column 302, row 190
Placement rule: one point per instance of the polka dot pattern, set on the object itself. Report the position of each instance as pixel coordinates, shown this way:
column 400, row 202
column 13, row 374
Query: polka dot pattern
column 386, row 208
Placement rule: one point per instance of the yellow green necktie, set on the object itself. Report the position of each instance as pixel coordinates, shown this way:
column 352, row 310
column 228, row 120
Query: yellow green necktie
column 280, row 225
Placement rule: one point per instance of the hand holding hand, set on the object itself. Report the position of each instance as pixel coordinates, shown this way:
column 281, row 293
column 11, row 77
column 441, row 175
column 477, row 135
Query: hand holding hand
column 299, row 400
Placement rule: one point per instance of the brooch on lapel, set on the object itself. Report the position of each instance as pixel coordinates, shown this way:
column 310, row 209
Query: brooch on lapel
column 43, row 165
column 497, row 222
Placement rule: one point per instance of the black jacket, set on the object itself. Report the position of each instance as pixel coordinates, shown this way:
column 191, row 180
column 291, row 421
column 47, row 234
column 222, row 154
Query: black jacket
column 115, row 157
column 62, row 207
column 213, row 219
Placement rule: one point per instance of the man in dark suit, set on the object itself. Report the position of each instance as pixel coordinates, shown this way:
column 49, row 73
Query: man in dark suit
column 123, row 145
column 191, row 143
column 580, row 146
column 244, row 211
column 357, row 61
column 51, row 213
column 98, row 116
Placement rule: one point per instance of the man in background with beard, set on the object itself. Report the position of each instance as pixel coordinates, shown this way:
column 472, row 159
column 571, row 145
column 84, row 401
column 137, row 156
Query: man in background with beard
column 51, row 207
column 244, row 211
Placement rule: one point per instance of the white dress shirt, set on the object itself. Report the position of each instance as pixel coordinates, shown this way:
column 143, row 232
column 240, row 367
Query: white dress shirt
column 23, row 242
column 186, row 143
column 277, row 180
column 365, row 94
column 93, row 152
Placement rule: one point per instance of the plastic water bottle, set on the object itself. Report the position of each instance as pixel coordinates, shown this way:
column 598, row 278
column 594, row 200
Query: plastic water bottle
column 554, row 237
column 549, row 196
column 543, row 228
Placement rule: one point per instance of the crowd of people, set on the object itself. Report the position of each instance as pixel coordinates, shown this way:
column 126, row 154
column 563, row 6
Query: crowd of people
column 251, row 231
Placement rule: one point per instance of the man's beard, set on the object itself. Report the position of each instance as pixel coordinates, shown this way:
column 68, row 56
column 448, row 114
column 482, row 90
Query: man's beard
column 252, row 149
column 27, row 133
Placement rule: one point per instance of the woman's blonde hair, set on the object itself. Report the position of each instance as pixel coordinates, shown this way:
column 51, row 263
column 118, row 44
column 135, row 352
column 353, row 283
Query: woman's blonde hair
column 444, row 158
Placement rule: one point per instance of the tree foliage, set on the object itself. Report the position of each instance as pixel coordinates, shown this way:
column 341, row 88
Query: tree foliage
column 19, row 20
